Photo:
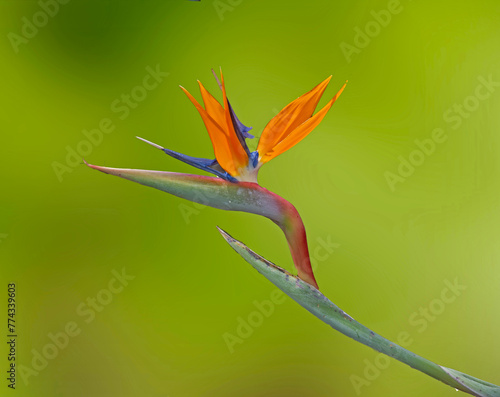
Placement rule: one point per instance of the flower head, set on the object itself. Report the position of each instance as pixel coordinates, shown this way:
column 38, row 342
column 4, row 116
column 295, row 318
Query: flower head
column 235, row 186
column 233, row 160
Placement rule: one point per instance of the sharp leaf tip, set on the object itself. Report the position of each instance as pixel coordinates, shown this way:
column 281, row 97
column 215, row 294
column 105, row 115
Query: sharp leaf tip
column 150, row 143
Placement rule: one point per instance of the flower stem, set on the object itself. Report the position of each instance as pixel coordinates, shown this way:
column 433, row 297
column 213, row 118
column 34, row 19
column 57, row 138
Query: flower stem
column 319, row 305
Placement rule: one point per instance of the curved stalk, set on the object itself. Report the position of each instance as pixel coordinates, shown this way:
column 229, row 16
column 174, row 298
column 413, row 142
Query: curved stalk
column 231, row 196
column 319, row 305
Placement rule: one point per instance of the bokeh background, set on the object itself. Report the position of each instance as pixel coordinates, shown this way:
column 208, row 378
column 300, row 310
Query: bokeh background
column 384, row 254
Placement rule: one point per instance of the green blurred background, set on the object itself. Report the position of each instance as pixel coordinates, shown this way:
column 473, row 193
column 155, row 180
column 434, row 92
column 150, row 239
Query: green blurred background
column 390, row 252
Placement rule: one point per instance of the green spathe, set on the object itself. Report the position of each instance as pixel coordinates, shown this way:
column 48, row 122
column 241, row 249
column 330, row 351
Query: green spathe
column 211, row 191
column 240, row 196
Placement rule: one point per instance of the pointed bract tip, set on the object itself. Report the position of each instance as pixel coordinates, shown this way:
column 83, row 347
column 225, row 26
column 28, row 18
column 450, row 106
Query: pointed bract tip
column 96, row 167
column 226, row 236
column 150, row 143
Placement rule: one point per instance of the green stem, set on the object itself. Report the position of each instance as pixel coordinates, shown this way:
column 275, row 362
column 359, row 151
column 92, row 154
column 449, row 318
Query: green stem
column 319, row 305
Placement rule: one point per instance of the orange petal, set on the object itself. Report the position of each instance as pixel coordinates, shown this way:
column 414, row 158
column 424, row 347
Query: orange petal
column 213, row 107
column 300, row 132
column 239, row 154
column 219, row 139
column 290, row 118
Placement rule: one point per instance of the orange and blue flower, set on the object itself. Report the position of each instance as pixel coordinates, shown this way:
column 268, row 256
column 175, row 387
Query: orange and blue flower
column 233, row 159
column 235, row 185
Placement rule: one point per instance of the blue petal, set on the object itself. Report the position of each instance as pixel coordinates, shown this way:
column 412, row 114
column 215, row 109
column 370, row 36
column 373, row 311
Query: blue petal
column 208, row 165
column 202, row 164
column 240, row 129
column 254, row 158
column 239, row 126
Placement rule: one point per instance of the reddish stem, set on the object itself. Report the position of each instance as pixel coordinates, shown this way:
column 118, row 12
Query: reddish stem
column 295, row 233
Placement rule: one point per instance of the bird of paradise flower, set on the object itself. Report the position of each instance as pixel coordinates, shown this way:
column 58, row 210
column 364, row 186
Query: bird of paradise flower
column 235, row 186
